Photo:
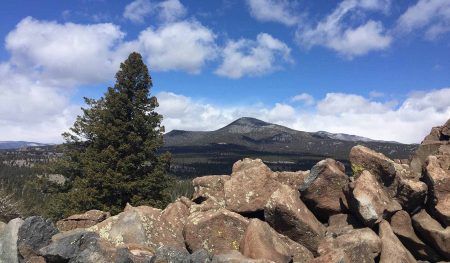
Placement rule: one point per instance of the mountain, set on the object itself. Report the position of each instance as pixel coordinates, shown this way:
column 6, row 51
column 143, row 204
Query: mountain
column 211, row 152
column 19, row 144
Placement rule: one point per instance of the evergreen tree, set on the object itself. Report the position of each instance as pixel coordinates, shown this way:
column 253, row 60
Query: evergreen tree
column 111, row 151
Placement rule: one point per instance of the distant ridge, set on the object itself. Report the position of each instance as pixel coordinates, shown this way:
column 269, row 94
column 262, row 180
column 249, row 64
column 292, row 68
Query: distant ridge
column 4, row 145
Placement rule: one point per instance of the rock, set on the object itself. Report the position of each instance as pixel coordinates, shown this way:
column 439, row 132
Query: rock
column 262, row 242
column 236, row 257
column 370, row 201
column 392, row 250
column 169, row 255
column 402, row 226
column 363, row 158
column 82, row 246
column 342, row 223
column 322, row 188
column 437, row 176
column 335, row 256
column 397, row 180
column 249, row 187
column 210, row 189
column 34, row 234
column 176, row 213
column 8, row 241
column 358, row 245
column 292, row 179
column 36, row 259
column 287, row 214
column 217, row 231
column 433, row 233
column 201, row 256
column 143, row 226
column 85, row 220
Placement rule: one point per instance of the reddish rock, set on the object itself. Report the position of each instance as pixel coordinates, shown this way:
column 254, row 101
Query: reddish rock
column 342, row 223
column 433, row 233
column 292, row 179
column 217, row 231
column 141, row 226
column 36, row 259
column 322, row 188
column 402, row 226
column 358, row 245
column 335, row 256
column 260, row 241
column 85, row 220
column 250, row 186
column 437, row 175
column 370, row 201
column 288, row 215
column 392, row 250
column 208, row 193
column 363, row 158
column 236, row 257
column 176, row 213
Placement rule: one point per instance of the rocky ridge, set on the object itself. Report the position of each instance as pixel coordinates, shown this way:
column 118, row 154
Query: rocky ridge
column 387, row 211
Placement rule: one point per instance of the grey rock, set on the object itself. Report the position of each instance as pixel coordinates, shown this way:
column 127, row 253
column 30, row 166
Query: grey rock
column 201, row 256
column 170, row 255
column 34, row 234
column 8, row 241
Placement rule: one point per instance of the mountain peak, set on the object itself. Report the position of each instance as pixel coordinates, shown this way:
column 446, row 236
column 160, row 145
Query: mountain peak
column 249, row 122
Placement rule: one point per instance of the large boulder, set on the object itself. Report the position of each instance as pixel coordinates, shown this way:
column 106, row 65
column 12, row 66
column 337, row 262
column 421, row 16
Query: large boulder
column 85, row 220
column 341, row 223
column 398, row 180
column 292, row 179
column 392, row 250
column 435, row 143
column 176, row 213
column 335, row 256
column 217, row 231
column 358, row 245
column 34, row 234
column 288, row 215
column 369, row 200
column 8, row 241
column 81, row 246
column 322, row 188
column 142, row 226
column 249, row 187
column 208, row 192
column 437, row 176
column 260, row 241
column 433, row 233
column 169, row 254
column 402, row 226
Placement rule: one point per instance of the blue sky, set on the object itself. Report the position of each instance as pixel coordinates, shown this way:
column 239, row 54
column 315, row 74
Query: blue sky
column 375, row 68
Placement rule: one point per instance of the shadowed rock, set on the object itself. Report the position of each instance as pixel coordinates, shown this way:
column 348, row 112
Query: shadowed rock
column 392, row 250
column 322, row 188
column 437, row 175
column 402, row 226
column 288, row 215
column 85, row 220
column 236, row 257
column 262, row 242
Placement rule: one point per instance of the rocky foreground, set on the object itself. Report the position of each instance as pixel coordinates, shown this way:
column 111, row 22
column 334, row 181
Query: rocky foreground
column 388, row 211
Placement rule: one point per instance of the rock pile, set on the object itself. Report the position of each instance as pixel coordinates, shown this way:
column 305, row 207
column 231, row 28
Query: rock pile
column 387, row 211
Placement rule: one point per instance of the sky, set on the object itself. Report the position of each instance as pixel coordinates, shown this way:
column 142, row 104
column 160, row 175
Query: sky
column 374, row 68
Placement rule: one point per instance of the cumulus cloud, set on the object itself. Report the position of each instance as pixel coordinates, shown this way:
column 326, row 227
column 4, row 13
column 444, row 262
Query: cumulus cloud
column 336, row 33
column 431, row 15
column 304, row 98
column 165, row 11
column 250, row 57
column 281, row 11
column 406, row 122
column 67, row 52
column 161, row 46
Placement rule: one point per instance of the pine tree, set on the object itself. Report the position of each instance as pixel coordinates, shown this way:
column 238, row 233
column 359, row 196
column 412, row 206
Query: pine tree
column 111, row 151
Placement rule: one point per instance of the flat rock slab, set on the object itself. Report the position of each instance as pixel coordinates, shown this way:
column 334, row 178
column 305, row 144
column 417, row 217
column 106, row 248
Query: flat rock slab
column 85, row 220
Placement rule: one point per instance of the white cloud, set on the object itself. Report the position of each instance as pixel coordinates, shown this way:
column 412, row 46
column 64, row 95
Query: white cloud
column 253, row 58
column 281, row 11
column 409, row 122
column 161, row 46
column 67, row 52
column 335, row 33
column 431, row 15
column 165, row 11
column 304, row 98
